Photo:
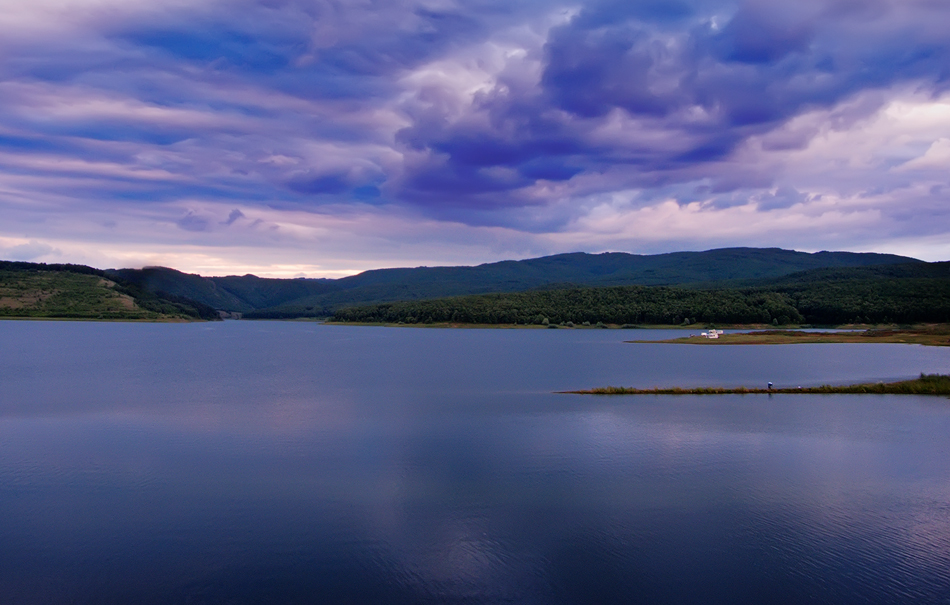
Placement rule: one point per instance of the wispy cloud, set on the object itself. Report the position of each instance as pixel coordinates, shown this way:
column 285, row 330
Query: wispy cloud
column 243, row 129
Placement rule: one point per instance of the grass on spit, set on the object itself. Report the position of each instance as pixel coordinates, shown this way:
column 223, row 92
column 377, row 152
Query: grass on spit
column 932, row 335
column 927, row 384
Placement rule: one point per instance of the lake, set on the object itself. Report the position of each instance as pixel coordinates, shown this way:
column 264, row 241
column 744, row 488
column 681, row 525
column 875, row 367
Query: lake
column 273, row 462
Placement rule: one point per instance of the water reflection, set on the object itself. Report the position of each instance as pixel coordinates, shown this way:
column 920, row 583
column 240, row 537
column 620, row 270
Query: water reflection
column 260, row 463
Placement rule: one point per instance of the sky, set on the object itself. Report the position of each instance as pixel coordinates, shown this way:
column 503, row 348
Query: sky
column 321, row 138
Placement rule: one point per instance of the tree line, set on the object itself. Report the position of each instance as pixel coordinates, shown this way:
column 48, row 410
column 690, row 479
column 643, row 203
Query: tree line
column 614, row 305
column 877, row 300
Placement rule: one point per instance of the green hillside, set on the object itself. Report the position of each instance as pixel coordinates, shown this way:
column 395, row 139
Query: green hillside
column 80, row 292
column 614, row 305
column 900, row 293
column 737, row 285
column 915, row 292
column 262, row 298
column 195, row 287
column 232, row 293
column 618, row 268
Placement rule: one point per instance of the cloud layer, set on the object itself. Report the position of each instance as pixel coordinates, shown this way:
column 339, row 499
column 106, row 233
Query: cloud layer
column 321, row 137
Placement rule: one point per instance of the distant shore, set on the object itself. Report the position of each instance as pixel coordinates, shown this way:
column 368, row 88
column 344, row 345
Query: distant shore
column 459, row 325
column 937, row 335
column 631, row 327
column 926, row 384
column 750, row 334
column 137, row 320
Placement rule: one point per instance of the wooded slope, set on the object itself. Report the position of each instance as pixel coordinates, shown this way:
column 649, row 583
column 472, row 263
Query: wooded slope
column 904, row 294
column 260, row 297
column 79, row 292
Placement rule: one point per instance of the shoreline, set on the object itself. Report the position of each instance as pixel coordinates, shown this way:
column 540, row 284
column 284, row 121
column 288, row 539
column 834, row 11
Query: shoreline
column 936, row 335
column 750, row 334
column 926, row 384
column 159, row 320
column 459, row 325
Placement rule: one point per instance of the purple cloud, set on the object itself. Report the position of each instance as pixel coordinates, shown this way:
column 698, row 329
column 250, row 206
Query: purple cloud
column 233, row 216
column 193, row 222
column 533, row 118
column 29, row 251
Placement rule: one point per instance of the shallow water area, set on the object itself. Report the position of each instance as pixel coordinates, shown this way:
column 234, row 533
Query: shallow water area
column 254, row 462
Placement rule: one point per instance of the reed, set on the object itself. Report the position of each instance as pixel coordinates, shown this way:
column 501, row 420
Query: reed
column 926, row 384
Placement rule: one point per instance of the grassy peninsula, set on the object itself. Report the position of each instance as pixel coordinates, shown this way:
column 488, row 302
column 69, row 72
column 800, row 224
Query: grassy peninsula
column 927, row 384
column 932, row 335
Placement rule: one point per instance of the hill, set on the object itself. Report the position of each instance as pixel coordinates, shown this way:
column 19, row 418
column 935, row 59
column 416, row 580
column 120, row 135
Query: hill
column 81, row 292
column 260, row 297
column 918, row 292
column 908, row 293
column 242, row 294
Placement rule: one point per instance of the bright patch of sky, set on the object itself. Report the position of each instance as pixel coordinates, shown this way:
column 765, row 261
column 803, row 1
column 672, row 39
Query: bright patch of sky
column 323, row 138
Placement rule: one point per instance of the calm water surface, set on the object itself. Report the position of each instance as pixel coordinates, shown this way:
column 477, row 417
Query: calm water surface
column 268, row 462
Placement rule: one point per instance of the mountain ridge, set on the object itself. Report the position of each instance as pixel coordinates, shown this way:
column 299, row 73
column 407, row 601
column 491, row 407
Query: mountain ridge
column 272, row 297
column 885, row 294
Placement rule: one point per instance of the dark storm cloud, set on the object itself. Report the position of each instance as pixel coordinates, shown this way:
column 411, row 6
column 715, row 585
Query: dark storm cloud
column 755, row 63
column 707, row 74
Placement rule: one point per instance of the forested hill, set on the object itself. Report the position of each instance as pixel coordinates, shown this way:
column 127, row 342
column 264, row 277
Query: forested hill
column 233, row 293
column 724, row 286
column 619, row 268
column 909, row 293
column 65, row 291
column 260, row 297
